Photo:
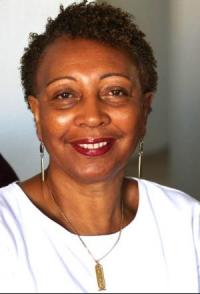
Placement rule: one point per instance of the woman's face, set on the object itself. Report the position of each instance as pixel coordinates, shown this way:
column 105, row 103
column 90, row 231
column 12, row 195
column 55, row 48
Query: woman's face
column 90, row 111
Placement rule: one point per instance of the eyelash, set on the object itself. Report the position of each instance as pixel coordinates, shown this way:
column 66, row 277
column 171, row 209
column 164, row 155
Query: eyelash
column 61, row 95
column 120, row 91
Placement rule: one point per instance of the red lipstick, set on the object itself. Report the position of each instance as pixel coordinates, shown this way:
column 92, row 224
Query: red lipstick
column 93, row 146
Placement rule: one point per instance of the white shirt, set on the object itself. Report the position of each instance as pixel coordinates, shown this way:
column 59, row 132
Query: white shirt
column 159, row 251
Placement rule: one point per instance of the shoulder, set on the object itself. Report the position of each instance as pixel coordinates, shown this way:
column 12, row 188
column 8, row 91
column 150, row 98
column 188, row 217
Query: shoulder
column 13, row 204
column 14, row 194
column 9, row 202
column 168, row 200
column 8, row 192
column 166, row 193
column 171, row 205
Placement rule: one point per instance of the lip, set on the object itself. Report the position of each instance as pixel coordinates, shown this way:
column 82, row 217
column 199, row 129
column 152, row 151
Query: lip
column 93, row 146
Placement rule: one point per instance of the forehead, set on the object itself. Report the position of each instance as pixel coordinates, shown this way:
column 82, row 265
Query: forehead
column 66, row 55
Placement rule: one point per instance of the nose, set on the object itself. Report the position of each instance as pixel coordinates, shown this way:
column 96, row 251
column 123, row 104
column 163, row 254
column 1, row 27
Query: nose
column 92, row 113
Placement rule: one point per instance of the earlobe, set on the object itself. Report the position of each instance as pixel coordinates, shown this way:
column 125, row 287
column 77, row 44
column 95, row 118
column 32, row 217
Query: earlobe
column 34, row 106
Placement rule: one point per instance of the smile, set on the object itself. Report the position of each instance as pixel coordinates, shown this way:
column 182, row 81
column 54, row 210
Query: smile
column 95, row 148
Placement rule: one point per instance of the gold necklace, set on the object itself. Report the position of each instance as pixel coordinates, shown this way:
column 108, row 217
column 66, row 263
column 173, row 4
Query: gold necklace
column 98, row 267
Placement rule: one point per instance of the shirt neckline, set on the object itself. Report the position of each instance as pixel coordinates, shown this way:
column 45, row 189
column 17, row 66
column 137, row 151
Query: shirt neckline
column 47, row 221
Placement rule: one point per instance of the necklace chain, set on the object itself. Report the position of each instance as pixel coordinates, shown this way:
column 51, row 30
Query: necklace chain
column 78, row 235
column 98, row 267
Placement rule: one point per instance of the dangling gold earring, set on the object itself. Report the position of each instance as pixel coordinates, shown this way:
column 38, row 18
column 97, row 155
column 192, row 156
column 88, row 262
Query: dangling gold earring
column 42, row 160
column 140, row 155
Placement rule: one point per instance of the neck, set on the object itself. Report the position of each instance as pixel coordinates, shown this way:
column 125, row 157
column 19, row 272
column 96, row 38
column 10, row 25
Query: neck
column 84, row 203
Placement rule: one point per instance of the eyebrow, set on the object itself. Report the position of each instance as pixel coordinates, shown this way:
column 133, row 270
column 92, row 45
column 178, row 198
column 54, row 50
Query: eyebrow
column 107, row 75
column 111, row 74
column 61, row 78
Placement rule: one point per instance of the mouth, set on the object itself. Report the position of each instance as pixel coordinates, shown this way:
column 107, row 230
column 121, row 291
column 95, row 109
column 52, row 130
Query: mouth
column 93, row 147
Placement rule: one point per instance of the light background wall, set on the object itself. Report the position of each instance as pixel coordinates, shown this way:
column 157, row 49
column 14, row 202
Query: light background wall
column 184, row 106
column 172, row 27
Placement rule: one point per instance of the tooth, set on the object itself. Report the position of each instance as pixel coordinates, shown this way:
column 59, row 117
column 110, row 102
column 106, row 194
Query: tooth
column 103, row 144
column 93, row 146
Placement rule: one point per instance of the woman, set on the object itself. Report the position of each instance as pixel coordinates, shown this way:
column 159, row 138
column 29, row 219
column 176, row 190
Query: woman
column 81, row 225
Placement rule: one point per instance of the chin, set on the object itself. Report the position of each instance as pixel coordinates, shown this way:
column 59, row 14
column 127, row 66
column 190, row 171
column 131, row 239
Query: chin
column 96, row 176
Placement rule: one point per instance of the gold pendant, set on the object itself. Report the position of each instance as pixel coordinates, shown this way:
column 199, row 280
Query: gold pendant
column 100, row 276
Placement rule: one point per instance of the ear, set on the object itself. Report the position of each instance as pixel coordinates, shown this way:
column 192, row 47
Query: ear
column 147, row 108
column 147, row 103
column 34, row 106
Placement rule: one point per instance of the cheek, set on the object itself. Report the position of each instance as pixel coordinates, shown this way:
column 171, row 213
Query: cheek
column 54, row 124
column 129, row 120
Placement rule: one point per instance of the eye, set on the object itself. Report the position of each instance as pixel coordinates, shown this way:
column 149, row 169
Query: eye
column 64, row 98
column 116, row 95
column 64, row 95
column 118, row 92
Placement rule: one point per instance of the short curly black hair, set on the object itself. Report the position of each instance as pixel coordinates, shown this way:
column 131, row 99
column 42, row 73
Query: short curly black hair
column 101, row 22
